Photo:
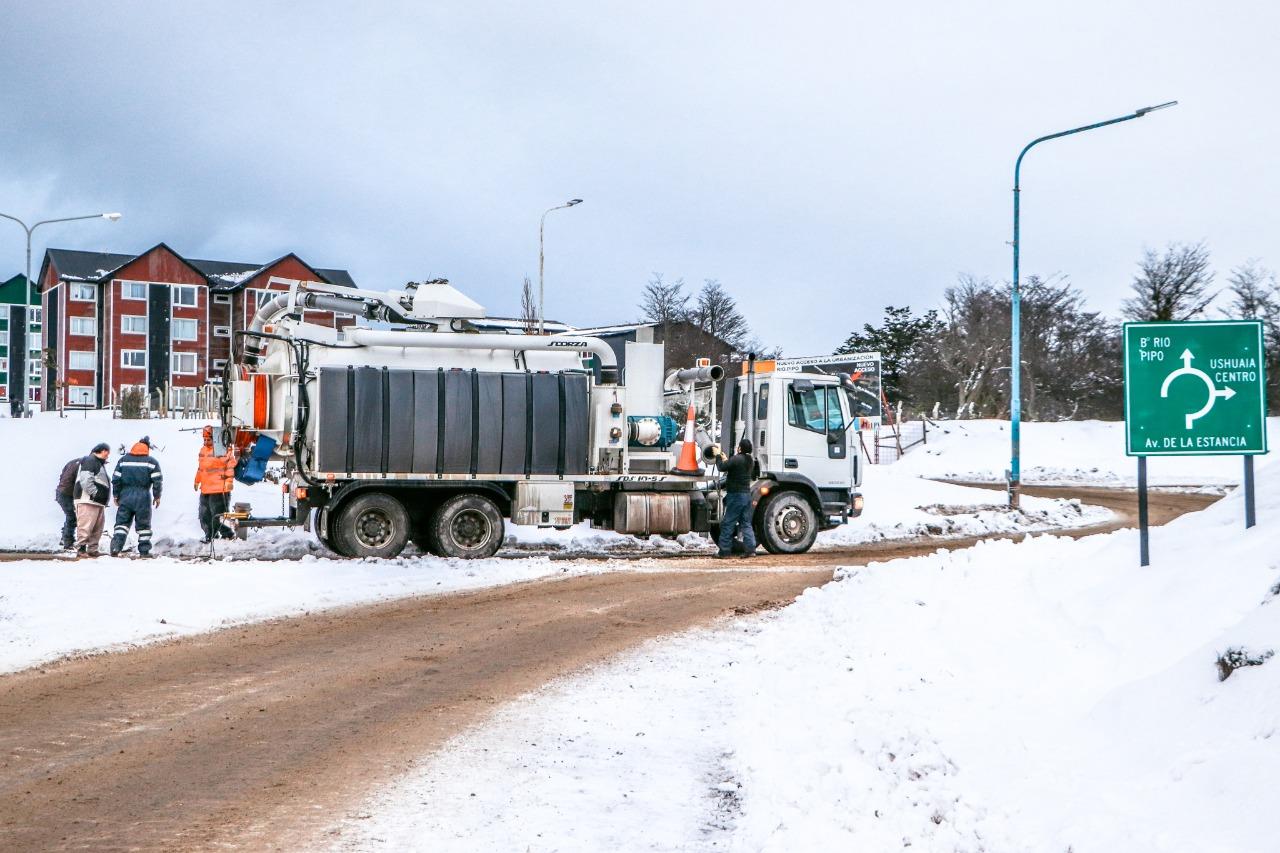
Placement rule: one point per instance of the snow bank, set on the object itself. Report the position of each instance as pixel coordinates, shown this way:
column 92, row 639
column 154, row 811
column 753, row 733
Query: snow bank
column 1048, row 695
column 43, row 444
column 1070, row 452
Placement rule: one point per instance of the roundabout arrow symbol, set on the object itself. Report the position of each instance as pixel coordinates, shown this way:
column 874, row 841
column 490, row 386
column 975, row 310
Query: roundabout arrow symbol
column 1214, row 391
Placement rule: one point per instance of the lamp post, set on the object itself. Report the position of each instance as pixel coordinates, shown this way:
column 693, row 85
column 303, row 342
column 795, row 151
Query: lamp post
column 111, row 217
column 1015, row 368
column 542, row 314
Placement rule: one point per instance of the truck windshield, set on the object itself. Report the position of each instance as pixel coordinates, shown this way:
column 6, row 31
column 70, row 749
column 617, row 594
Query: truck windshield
column 816, row 408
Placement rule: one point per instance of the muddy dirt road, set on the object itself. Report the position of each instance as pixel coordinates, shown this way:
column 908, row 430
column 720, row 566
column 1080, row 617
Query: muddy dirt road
column 254, row 737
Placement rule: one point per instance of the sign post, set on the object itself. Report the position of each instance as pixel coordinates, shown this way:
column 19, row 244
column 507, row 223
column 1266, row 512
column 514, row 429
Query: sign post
column 1194, row 389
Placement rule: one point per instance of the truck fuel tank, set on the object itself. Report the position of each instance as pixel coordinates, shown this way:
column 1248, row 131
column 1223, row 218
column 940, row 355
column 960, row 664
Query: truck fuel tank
column 643, row 513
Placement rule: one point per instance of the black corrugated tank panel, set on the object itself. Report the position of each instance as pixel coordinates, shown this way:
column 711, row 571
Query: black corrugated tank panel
column 401, row 397
column 492, row 424
column 457, row 422
column 369, row 428
column 426, row 417
column 331, row 428
column 577, row 423
column 515, row 418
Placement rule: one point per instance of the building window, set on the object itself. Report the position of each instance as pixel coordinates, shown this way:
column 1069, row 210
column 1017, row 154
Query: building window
column 222, row 331
column 184, row 363
column 133, row 324
column 222, row 299
column 133, row 358
column 4, row 338
column 35, row 315
column 4, row 365
column 182, row 398
column 219, row 365
column 79, row 396
column 83, row 292
column 83, row 326
column 261, row 297
column 184, row 330
column 135, row 290
column 80, row 360
column 184, row 297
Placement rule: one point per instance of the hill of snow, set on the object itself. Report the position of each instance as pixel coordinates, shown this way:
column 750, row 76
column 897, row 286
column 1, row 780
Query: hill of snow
column 1049, row 695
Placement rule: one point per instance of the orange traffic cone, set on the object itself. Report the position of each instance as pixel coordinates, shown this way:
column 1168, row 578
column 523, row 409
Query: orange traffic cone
column 688, row 463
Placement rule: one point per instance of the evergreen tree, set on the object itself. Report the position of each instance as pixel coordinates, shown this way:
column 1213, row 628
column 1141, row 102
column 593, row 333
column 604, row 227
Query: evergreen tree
column 899, row 339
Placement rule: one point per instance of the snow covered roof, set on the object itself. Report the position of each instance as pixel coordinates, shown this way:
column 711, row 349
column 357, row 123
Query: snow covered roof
column 77, row 265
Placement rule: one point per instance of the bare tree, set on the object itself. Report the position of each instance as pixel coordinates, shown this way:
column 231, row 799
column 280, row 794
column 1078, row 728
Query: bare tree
column 664, row 303
column 1171, row 286
column 1256, row 296
column 1254, row 292
column 716, row 313
column 528, row 308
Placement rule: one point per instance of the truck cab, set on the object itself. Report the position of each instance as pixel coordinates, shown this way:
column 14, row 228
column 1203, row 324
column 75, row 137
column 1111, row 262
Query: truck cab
column 804, row 428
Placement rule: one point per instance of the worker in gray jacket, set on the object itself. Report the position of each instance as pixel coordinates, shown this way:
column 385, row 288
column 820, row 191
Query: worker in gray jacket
column 91, row 495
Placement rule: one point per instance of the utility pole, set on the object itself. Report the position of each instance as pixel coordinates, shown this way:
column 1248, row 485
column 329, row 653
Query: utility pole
column 1015, row 368
column 111, row 217
column 542, row 314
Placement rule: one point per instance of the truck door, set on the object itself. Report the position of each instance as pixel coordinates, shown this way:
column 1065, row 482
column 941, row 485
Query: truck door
column 814, row 412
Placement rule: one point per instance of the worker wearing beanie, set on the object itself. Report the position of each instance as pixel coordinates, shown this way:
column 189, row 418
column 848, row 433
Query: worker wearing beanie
column 91, row 494
column 215, row 475
column 137, row 483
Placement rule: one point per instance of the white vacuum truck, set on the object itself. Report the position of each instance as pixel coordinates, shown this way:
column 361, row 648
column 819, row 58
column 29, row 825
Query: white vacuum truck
column 418, row 428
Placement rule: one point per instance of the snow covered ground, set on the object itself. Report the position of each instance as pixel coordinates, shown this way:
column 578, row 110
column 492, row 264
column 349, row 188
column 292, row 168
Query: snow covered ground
column 1043, row 696
column 120, row 602
column 1090, row 452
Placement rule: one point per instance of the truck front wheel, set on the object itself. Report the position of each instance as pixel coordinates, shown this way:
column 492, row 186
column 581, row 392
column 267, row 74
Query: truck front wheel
column 373, row 524
column 786, row 524
column 468, row 526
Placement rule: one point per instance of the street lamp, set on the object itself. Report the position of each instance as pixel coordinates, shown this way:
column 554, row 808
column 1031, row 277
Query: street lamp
column 542, row 315
column 110, row 217
column 1015, row 371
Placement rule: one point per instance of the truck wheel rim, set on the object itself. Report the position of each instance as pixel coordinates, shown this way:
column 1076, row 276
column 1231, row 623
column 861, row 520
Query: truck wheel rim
column 374, row 528
column 791, row 524
column 471, row 529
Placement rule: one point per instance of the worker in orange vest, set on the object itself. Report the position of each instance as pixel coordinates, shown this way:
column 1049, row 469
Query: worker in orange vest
column 215, row 476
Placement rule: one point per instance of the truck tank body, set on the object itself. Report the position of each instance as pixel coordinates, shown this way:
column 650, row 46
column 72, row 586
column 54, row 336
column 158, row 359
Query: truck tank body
column 381, row 420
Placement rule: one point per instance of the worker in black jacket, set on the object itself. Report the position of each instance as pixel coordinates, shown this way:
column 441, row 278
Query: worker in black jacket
column 736, row 514
column 137, row 482
column 65, row 496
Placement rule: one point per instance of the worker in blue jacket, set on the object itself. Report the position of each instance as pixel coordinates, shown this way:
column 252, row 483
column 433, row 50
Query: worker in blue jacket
column 137, row 482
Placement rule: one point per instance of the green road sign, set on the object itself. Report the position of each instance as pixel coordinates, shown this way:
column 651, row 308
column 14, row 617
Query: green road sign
column 1194, row 389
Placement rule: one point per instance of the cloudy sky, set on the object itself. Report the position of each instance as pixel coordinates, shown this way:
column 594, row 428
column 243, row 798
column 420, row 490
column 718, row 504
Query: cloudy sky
column 821, row 160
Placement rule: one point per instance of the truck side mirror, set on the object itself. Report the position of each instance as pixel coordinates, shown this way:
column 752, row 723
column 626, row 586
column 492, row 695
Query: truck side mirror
column 834, row 437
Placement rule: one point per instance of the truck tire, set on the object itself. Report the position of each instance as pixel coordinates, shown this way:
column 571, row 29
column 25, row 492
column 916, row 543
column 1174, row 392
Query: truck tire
column 468, row 526
column 373, row 524
column 786, row 524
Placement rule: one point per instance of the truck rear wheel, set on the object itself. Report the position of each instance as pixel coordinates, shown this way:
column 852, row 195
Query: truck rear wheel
column 468, row 526
column 787, row 524
column 373, row 524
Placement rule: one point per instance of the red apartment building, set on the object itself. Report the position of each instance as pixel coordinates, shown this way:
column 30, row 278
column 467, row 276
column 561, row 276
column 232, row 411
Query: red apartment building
column 155, row 320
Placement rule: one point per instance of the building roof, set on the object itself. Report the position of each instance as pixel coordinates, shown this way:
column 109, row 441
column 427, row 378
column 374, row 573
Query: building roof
column 14, row 291
column 77, row 265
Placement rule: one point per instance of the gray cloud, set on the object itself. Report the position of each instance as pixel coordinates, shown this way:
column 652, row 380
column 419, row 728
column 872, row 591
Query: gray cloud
column 822, row 159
